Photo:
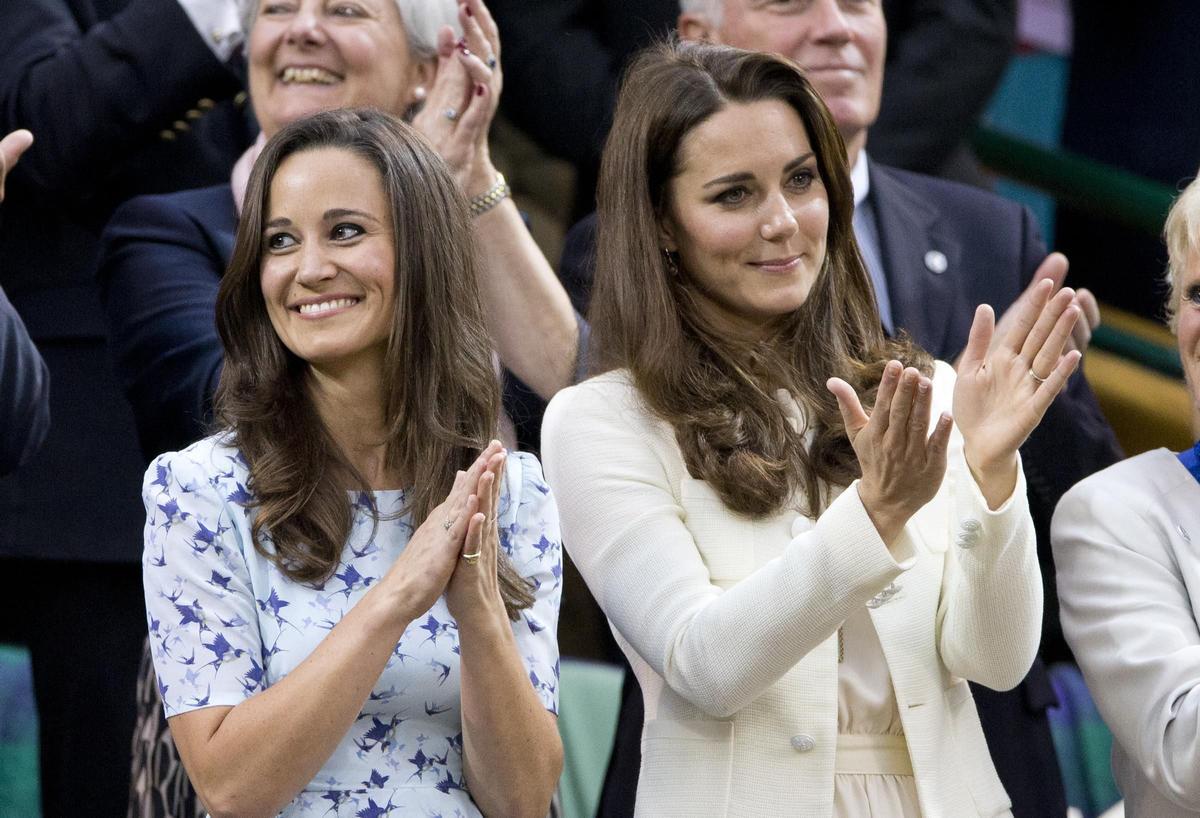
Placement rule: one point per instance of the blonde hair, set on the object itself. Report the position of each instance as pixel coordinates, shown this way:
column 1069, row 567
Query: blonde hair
column 1182, row 235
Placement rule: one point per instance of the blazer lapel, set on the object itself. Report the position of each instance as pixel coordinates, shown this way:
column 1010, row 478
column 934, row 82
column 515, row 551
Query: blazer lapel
column 920, row 260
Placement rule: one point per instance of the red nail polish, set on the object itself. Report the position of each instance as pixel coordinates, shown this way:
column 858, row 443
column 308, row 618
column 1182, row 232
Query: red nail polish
column 469, row 12
column 479, row 89
column 462, row 43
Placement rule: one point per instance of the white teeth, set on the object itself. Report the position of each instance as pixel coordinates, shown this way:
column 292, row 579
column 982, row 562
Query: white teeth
column 318, row 76
column 326, row 306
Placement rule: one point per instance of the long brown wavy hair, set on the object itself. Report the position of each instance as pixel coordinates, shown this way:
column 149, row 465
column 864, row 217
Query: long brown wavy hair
column 441, row 396
column 716, row 392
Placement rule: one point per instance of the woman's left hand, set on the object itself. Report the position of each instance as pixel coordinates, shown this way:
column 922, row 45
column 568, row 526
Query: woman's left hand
column 459, row 108
column 1003, row 389
column 474, row 588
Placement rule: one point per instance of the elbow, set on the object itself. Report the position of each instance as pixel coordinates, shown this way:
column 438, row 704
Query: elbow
column 228, row 800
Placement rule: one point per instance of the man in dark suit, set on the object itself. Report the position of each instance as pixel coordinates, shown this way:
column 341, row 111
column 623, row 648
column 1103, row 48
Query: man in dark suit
column 24, row 382
column 935, row 250
column 126, row 97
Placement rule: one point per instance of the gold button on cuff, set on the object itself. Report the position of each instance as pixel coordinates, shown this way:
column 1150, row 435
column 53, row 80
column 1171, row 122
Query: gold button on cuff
column 166, row 135
column 194, row 114
column 205, row 104
column 240, row 99
column 182, row 126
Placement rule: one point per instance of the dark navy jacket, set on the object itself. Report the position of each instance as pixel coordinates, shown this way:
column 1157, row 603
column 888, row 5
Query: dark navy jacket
column 24, row 391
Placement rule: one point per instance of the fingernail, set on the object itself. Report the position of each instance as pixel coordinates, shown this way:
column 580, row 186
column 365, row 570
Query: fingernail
column 479, row 89
column 469, row 12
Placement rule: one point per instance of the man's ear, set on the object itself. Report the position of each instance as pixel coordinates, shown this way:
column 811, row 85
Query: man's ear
column 697, row 26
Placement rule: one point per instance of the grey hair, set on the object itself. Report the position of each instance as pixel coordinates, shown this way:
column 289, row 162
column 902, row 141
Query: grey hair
column 714, row 10
column 422, row 19
column 1182, row 235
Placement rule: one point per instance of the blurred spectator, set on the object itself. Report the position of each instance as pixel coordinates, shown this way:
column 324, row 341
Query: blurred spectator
column 24, row 383
column 1133, row 102
column 126, row 96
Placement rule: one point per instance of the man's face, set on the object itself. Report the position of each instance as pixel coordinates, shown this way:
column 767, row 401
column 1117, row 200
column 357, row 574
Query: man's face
column 840, row 44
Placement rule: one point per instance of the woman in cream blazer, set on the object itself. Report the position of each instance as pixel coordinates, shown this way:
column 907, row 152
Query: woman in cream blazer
column 732, row 619
column 1127, row 546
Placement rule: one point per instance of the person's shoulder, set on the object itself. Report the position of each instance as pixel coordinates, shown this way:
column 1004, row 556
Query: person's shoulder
column 202, row 206
column 609, row 392
column 1135, row 481
column 214, row 462
column 948, row 196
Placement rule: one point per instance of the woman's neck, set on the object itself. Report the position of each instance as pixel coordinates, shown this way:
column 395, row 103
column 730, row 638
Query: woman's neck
column 350, row 403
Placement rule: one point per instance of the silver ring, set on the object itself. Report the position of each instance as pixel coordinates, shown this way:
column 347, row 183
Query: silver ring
column 491, row 62
column 451, row 114
column 1033, row 375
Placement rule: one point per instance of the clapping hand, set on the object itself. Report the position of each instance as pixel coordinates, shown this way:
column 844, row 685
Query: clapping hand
column 902, row 464
column 474, row 589
column 11, row 148
column 1007, row 380
column 459, row 108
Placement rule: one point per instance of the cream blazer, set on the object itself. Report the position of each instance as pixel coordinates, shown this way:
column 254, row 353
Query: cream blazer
column 730, row 623
column 1127, row 546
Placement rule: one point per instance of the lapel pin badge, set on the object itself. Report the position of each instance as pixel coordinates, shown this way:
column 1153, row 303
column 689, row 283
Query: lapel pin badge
column 935, row 262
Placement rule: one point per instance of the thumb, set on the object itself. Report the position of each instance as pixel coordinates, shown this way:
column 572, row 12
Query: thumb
column 853, row 415
column 11, row 148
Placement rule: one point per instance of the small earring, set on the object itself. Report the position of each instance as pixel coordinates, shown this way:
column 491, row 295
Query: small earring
column 419, row 93
column 672, row 259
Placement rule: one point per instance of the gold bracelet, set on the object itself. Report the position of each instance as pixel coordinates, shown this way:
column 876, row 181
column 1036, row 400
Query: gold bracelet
column 494, row 195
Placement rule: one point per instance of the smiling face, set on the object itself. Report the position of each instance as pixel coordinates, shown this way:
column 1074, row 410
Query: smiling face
column 840, row 44
column 313, row 55
column 748, row 214
column 328, row 262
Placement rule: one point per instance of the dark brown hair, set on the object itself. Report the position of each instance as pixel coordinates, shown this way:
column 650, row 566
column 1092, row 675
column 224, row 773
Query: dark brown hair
column 440, row 391
column 718, row 393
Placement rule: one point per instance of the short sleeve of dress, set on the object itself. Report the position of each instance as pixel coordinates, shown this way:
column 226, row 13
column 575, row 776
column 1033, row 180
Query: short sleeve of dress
column 529, row 534
column 204, row 635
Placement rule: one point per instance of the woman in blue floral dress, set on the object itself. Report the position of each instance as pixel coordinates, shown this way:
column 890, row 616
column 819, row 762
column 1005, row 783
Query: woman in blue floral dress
column 352, row 613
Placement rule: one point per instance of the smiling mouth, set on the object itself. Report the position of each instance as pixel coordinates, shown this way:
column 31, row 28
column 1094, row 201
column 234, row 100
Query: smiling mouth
column 777, row 264
column 326, row 306
column 308, row 76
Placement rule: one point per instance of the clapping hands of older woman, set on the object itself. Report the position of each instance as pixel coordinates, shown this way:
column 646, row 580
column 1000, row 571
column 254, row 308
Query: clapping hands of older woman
column 459, row 108
column 1005, row 387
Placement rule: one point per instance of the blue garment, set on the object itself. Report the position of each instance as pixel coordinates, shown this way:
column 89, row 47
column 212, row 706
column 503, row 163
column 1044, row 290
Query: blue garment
column 1190, row 459
column 225, row 623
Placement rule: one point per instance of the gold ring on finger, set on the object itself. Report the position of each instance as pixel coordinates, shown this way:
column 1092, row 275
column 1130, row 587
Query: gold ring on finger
column 471, row 559
column 1034, row 375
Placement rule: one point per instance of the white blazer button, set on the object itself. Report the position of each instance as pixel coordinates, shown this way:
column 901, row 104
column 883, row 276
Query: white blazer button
column 803, row 743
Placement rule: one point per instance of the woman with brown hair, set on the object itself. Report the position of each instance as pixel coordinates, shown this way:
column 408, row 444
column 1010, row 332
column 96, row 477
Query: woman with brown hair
column 352, row 610
column 801, row 584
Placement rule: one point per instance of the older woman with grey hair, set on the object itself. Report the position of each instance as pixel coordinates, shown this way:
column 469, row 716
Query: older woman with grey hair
column 1126, row 545
column 434, row 62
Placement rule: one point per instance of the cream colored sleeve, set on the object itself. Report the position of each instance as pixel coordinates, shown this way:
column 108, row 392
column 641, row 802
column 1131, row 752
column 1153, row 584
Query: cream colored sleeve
column 990, row 609
column 624, row 528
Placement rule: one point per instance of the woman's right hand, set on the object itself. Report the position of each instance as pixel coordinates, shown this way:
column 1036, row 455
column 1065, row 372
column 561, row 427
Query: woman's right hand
column 425, row 566
column 902, row 464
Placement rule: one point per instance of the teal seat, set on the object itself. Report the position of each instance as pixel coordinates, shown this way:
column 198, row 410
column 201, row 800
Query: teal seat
column 18, row 736
column 588, row 703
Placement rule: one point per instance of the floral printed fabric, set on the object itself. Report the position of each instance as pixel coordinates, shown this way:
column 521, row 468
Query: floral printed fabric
column 225, row 623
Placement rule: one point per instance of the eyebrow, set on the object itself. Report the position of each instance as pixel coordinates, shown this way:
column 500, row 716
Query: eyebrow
column 330, row 215
column 745, row 175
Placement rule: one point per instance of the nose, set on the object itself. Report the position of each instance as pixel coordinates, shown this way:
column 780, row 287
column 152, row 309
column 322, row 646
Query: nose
column 829, row 23
column 779, row 220
column 313, row 266
column 305, row 27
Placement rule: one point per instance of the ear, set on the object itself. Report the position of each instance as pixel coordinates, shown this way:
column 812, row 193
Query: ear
column 697, row 26
column 421, row 74
column 666, row 233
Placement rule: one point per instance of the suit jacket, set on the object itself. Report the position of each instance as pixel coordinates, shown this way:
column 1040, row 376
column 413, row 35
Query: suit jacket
column 730, row 623
column 1129, row 581
column 24, row 391
column 124, row 97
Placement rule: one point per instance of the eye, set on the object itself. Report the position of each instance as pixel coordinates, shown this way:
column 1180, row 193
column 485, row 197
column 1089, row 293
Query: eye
column 1192, row 295
column 274, row 9
column 802, row 179
column 345, row 231
column 280, row 241
column 347, row 10
column 732, row 196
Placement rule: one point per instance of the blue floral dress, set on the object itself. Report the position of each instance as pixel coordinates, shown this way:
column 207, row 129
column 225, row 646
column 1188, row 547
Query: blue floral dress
column 225, row 623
